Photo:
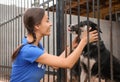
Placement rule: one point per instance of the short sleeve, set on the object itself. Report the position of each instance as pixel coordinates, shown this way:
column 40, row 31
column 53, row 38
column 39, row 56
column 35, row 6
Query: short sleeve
column 31, row 53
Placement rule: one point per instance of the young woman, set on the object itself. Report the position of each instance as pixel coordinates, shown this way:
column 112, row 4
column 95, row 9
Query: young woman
column 30, row 58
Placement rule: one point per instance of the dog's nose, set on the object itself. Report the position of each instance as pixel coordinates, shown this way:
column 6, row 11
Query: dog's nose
column 69, row 29
column 69, row 25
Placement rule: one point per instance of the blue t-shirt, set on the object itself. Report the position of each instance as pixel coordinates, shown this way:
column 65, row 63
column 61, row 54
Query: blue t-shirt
column 24, row 67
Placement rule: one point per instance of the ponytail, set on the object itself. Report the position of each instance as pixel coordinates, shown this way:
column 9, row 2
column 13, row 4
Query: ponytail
column 15, row 53
column 34, row 37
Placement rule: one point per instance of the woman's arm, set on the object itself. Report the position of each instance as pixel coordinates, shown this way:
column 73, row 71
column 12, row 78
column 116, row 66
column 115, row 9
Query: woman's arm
column 67, row 51
column 69, row 61
column 62, row 62
column 64, row 54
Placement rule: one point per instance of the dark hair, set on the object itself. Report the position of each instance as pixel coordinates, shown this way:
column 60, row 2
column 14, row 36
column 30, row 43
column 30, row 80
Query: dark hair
column 32, row 17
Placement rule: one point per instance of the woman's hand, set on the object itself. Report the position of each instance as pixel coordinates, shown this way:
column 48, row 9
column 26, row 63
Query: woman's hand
column 93, row 36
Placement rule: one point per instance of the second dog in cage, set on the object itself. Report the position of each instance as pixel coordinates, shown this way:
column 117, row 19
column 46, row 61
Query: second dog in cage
column 105, row 65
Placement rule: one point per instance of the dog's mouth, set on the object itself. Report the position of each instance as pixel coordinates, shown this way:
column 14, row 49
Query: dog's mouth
column 73, row 28
column 69, row 29
column 72, row 31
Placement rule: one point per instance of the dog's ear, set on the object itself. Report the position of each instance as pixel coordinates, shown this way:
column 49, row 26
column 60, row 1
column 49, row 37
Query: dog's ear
column 93, row 25
column 100, row 30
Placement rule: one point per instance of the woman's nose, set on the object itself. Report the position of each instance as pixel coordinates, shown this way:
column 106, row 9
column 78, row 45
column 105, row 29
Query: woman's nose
column 50, row 23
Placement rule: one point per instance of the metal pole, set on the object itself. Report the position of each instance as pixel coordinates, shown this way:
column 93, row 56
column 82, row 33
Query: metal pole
column 48, row 41
column 70, row 22
column 98, row 20
column 60, row 35
column 79, row 32
column 53, row 39
column 111, row 41
column 88, row 46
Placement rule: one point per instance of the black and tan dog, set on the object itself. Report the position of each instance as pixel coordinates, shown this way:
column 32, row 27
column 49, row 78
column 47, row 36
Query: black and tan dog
column 93, row 56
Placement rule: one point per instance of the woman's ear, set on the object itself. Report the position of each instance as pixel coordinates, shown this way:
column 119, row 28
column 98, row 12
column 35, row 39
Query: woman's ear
column 37, row 27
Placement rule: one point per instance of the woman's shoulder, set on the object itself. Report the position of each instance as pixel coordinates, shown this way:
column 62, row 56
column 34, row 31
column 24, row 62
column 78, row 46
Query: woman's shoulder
column 29, row 47
column 26, row 47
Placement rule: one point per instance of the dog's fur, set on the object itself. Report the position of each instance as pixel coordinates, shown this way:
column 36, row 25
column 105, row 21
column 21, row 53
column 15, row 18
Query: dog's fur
column 93, row 56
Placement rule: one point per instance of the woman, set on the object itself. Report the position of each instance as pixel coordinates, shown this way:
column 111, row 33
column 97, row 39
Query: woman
column 30, row 59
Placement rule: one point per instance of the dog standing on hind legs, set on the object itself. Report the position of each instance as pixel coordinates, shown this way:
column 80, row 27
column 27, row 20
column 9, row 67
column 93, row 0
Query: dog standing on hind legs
column 93, row 56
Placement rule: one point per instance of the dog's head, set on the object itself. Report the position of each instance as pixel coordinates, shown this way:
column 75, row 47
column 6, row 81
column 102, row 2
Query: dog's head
column 83, row 25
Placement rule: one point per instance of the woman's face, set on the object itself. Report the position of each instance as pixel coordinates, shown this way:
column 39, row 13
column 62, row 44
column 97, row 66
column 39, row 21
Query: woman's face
column 45, row 26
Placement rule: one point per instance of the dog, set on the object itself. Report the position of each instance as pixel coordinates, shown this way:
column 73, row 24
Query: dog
column 105, row 69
